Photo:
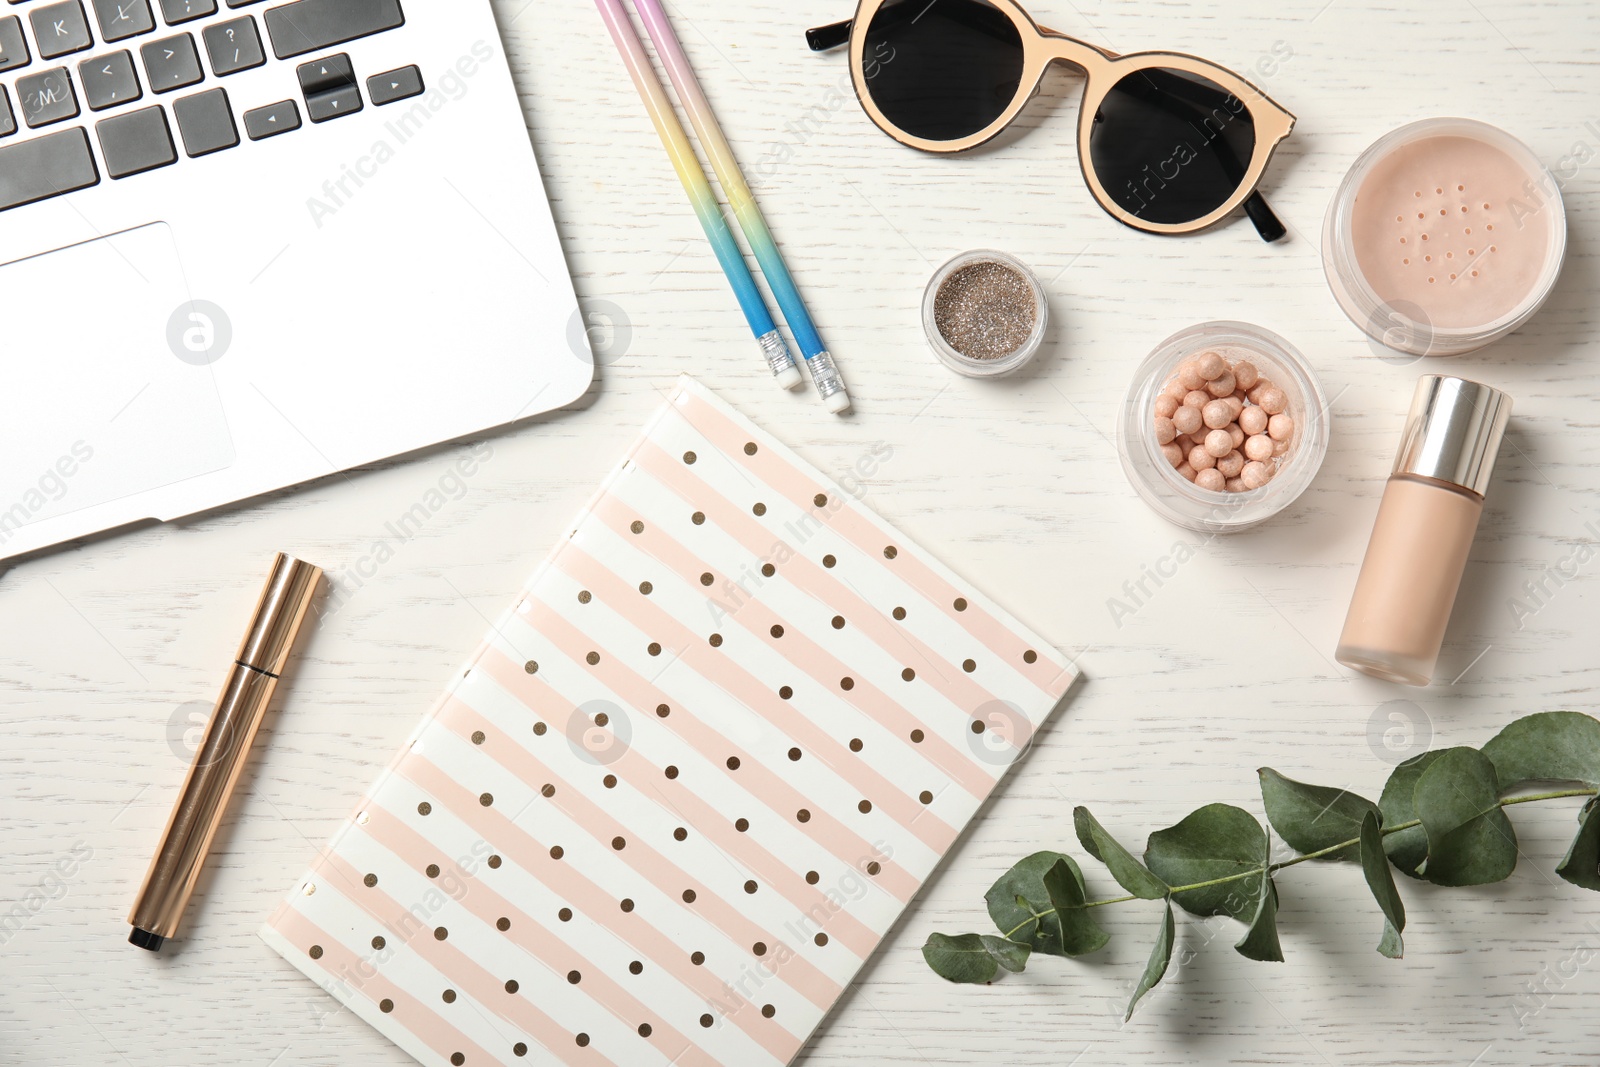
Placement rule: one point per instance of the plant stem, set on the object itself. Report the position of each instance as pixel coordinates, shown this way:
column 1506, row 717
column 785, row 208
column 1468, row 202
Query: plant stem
column 1272, row 868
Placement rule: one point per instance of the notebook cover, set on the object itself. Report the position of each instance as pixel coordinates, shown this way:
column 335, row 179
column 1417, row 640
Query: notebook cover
column 687, row 783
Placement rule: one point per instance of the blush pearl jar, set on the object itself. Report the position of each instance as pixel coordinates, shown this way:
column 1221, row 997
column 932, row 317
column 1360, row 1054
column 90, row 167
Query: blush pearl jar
column 1445, row 236
column 1179, row 499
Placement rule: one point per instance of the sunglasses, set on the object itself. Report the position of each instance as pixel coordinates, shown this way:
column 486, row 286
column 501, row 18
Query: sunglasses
column 1168, row 143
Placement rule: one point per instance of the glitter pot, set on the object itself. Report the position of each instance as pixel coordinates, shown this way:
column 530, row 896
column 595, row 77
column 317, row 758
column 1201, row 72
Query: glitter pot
column 1183, row 502
column 985, row 314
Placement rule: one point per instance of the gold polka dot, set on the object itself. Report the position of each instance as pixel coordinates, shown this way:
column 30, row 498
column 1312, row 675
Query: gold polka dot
column 768, row 570
column 644, row 1030
column 432, row 870
column 716, row 640
column 855, row 744
column 585, row 596
column 821, row 940
column 706, row 579
column 751, row 887
column 812, row 877
column 386, row 1005
column 424, row 808
column 316, row 952
column 635, row 967
column 503, row 924
column 908, row 674
column 494, row 863
column 556, row 852
column 768, row 1011
column 706, row 1021
column 662, row 711
column 531, row 667
column 626, row 905
column 619, row 843
column 969, row 666
column 873, row 868
column 457, row 1059
column 370, row 880
column 899, row 614
column 690, row 457
column 1030, row 656
column 750, row 448
column 733, row 763
column 961, row 603
column 539, row 728
column 448, row 996
column 820, row 500
column 759, row 948
column 785, row 692
column 977, row 726
column 917, row 736
column 602, row 719
column 698, row 518
column 688, row 896
column 741, row 825
column 926, row 797
column 609, row 781
column 680, row 834
column 794, row 754
column 847, row 684
column 519, row 1049
column 829, row 562
column 583, row 1040
column 671, row 772
column 760, row 509
column 646, row 588
column 654, row 648
column 486, row 799
column 890, row 552
column 574, row 977
column 440, row 933
column 379, row 943
column 593, row 658
column 865, row 807
column 548, row 790
column 697, row 958
column 803, row 815
column 838, row 622
column 479, row 737
column 565, row 915
column 637, row 527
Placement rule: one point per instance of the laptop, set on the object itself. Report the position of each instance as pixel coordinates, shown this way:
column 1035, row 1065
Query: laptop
column 248, row 243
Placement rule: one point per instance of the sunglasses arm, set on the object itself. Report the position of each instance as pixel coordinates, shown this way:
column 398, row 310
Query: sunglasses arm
column 823, row 38
column 1267, row 224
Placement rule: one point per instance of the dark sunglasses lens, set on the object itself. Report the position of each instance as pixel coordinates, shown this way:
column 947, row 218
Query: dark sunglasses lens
column 1171, row 147
column 942, row 70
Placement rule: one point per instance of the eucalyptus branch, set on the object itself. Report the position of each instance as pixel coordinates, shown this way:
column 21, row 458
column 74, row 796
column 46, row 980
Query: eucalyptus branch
column 1217, row 860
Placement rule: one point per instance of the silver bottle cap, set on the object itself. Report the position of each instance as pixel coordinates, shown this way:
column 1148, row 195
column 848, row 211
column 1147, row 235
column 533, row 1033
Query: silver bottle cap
column 1454, row 431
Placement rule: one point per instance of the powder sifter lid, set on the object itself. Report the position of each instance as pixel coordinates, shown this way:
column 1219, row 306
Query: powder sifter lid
column 1454, row 431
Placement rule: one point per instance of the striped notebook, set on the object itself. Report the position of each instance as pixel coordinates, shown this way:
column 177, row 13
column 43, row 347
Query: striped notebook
column 686, row 784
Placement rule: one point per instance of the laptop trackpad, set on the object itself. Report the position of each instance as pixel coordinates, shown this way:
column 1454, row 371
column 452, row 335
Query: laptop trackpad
column 107, row 385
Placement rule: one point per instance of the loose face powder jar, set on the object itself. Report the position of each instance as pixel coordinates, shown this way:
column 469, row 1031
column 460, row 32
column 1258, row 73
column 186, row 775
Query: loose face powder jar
column 1445, row 236
column 985, row 314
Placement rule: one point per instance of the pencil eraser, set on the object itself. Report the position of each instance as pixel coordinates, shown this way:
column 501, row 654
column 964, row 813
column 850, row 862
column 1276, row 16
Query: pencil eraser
column 838, row 403
column 789, row 377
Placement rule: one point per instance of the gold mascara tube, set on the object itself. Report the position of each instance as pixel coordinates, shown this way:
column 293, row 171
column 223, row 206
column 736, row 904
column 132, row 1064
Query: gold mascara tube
column 223, row 750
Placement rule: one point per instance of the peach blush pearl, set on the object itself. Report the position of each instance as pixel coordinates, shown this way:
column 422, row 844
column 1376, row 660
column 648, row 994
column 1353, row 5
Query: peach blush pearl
column 1223, row 386
column 1217, row 414
column 1258, row 448
column 1165, row 406
column 1212, row 366
column 1235, row 404
column 1281, row 448
column 1231, row 464
column 1186, row 419
column 1246, row 375
column 1212, row 480
column 1252, row 420
column 1200, row 459
column 1219, row 443
column 1236, row 434
column 1255, row 475
column 1235, row 485
column 1280, row 427
column 1187, row 473
column 1196, row 398
column 1189, row 375
column 1173, row 453
column 1176, row 390
column 1166, row 433
column 1273, row 401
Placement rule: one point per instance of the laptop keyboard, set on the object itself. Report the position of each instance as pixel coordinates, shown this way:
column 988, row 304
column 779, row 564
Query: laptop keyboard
column 144, row 100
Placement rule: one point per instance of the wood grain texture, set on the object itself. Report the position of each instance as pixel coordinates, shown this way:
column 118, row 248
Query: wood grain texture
column 105, row 648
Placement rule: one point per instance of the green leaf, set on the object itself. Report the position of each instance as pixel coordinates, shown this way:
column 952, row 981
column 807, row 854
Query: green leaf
column 1553, row 746
column 1470, row 840
column 1375, row 865
column 1407, row 849
column 1216, row 841
column 1156, row 968
column 1260, row 942
column 1080, row 934
column 973, row 959
column 1128, row 871
column 1039, row 903
column 1311, row 818
column 1581, row 866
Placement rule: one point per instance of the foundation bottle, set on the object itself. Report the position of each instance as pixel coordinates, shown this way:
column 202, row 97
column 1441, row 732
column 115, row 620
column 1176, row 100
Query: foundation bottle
column 1425, row 529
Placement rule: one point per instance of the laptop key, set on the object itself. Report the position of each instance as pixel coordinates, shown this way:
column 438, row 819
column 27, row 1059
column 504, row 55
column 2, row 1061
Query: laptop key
column 312, row 25
column 330, row 87
column 8, row 121
column 46, row 97
column 234, row 46
column 206, row 122
column 46, row 166
column 171, row 63
column 400, row 84
column 272, row 120
column 176, row 11
column 109, row 80
column 136, row 142
column 13, row 47
column 60, row 29
column 121, row 19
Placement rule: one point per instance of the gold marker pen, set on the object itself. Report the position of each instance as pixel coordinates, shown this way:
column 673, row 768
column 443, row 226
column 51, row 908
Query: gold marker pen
column 223, row 750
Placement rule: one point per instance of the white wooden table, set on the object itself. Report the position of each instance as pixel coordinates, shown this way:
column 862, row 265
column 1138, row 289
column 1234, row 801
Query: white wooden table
column 108, row 653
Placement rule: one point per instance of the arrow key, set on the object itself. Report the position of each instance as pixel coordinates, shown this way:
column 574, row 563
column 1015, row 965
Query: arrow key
column 330, row 88
column 400, row 84
column 272, row 120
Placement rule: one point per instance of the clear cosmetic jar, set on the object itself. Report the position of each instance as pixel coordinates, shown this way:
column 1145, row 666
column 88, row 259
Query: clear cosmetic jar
column 1169, row 493
column 985, row 314
column 1445, row 236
